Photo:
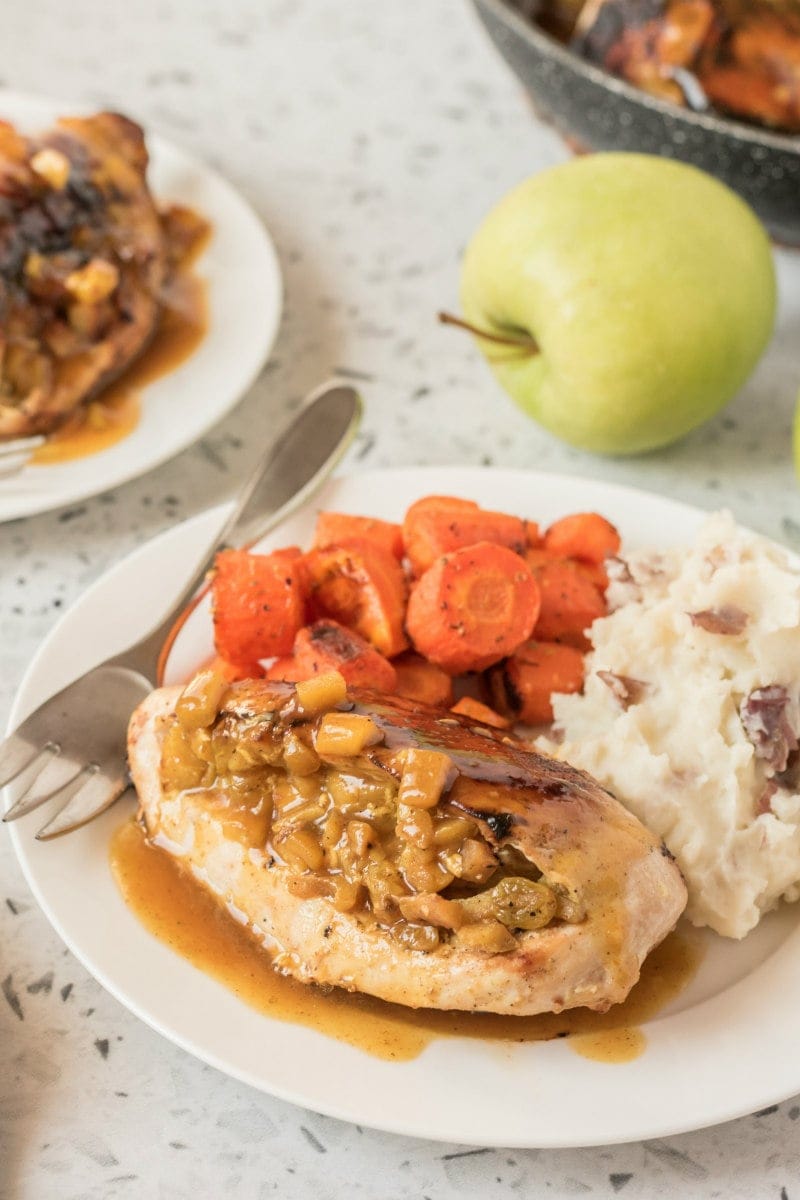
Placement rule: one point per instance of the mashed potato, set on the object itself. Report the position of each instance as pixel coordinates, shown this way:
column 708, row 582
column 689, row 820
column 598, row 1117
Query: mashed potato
column 690, row 715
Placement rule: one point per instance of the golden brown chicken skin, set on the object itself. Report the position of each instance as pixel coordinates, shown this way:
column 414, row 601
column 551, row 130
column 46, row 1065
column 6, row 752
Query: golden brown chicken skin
column 378, row 846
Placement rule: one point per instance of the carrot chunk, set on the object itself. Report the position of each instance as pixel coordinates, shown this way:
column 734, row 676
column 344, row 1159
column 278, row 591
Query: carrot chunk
column 570, row 602
column 327, row 646
column 285, row 669
column 258, row 604
column 586, row 536
column 537, row 556
column 334, row 528
column 533, row 533
column 362, row 586
column 523, row 685
column 436, row 525
column 476, row 711
column 594, row 572
column 472, row 608
column 418, row 679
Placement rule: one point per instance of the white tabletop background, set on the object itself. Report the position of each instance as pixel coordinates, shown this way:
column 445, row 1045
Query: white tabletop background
column 371, row 137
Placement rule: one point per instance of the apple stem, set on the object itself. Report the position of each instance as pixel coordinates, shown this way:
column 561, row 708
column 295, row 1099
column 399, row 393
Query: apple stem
column 524, row 341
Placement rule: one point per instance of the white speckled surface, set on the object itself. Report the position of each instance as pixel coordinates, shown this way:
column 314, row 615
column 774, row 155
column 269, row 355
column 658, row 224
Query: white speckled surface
column 371, row 137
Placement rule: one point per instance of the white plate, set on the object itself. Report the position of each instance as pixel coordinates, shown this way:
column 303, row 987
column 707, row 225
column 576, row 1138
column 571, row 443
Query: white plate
column 244, row 294
column 729, row 1045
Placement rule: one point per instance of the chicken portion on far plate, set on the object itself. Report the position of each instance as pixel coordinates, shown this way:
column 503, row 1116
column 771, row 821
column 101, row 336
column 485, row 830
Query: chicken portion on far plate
column 382, row 847
column 85, row 256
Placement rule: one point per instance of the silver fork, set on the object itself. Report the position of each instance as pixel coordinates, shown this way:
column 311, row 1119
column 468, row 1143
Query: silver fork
column 72, row 748
column 16, row 454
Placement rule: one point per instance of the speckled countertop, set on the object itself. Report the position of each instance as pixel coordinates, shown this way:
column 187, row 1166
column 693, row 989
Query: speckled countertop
column 371, row 138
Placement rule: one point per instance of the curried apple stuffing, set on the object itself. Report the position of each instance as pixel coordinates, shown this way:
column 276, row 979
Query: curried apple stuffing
column 366, row 824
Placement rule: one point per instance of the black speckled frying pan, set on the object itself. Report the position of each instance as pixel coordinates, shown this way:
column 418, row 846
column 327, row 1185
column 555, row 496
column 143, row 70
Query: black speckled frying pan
column 600, row 112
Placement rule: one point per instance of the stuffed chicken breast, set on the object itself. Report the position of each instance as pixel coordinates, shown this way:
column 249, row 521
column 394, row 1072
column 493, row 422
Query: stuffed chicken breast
column 379, row 846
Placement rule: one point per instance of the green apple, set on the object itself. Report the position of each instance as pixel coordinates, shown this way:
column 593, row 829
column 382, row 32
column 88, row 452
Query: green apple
column 635, row 295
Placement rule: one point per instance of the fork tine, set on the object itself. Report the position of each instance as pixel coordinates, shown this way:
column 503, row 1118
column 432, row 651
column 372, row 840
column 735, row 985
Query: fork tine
column 52, row 776
column 15, row 755
column 17, row 454
column 20, row 445
column 66, row 791
column 12, row 466
column 91, row 797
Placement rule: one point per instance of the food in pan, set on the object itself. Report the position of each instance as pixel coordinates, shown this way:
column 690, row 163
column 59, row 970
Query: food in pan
column 741, row 58
column 86, row 259
column 381, row 846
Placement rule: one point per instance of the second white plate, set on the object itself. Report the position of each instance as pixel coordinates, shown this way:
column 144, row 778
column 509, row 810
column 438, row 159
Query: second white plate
column 243, row 279
column 729, row 1045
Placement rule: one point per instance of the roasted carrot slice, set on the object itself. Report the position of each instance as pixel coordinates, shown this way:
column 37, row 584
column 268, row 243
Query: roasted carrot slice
column 253, row 669
column 594, row 572
column 328, row 646
column 258, row 604
column 472, row 607
column 537, row 556
column 585, row 536
column 467, row 707
column 418, row 679
column 533, row 533
column 362, row 586
column 420, row 531
column 285, row 669
column 333, row 528
column 437, row 525
column 523, row 685
column 569, row 604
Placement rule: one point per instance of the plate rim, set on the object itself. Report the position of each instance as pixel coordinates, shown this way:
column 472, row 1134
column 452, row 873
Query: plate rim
column 15, row 507
column 343, row 1111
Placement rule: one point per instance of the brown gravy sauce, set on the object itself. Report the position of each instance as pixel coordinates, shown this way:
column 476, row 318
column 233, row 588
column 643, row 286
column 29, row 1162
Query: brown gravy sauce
column 115, row 413
column 178, row 911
